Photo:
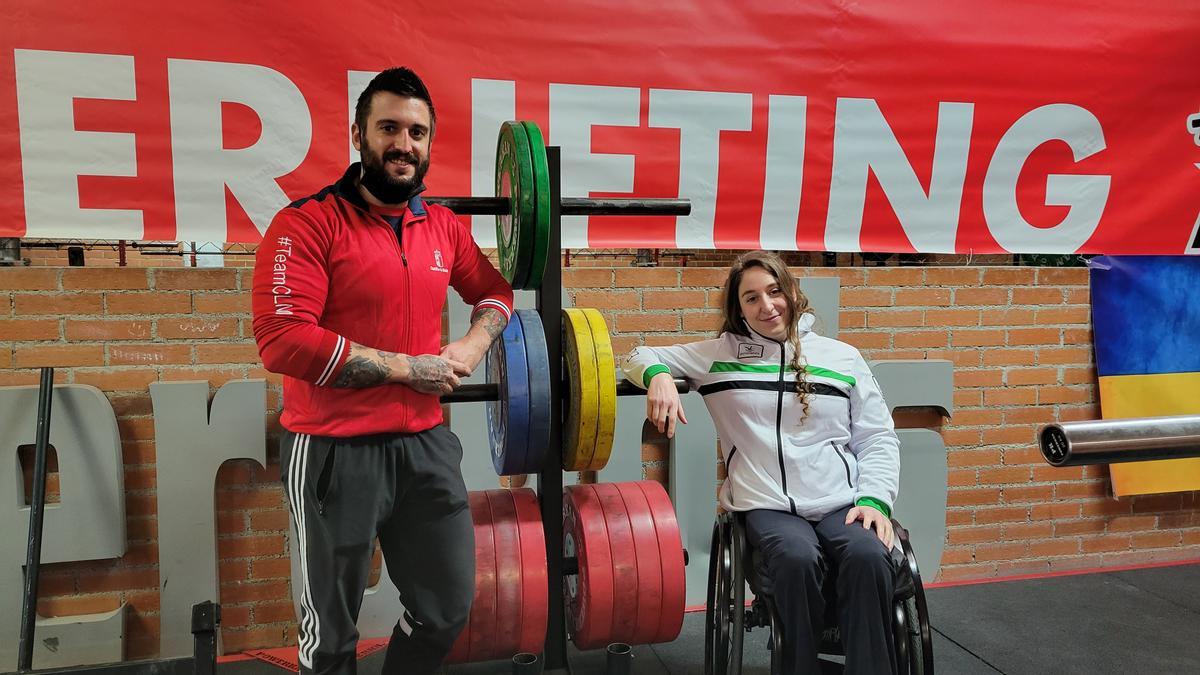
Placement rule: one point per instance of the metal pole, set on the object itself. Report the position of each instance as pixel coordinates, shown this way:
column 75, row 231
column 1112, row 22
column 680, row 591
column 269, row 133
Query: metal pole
column 618, row 659
column 550, row 481
column 476, row 393
column 569, row 206
column 33, row 555
column 590, row 206
column 1140, row 439
column 526, row 664
column 474, row 206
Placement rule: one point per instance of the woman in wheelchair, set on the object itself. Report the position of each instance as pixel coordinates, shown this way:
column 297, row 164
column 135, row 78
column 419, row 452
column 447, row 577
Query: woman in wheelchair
column 811, row 457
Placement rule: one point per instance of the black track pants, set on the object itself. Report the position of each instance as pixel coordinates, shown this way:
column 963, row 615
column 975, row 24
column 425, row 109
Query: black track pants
column 797, row 554
column 407, row 489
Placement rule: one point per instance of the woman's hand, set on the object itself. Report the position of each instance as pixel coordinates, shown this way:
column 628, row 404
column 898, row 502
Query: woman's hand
column 873, row 517
column 663, row 407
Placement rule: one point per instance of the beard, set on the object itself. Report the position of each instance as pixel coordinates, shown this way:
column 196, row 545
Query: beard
column 385, row 187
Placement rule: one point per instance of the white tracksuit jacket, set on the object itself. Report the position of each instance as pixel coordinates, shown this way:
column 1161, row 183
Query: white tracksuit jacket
column 844, row 451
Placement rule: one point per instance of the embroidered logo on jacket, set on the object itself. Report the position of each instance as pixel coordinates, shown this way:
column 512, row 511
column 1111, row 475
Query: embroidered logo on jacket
column 438, row 265
column 747, row 350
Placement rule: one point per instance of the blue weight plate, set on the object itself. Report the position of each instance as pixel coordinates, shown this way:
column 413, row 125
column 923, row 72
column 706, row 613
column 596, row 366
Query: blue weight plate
column 508, row 416
column 539, row 388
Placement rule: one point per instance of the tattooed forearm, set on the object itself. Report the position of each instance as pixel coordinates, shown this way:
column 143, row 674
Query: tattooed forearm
column 365, row 368
column 430, row 374
column 490, row 320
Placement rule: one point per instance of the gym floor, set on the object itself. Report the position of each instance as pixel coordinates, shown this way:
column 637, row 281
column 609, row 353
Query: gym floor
column 1120, row 622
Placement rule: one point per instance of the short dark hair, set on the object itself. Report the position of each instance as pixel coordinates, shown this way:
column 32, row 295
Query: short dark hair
column 400, row 81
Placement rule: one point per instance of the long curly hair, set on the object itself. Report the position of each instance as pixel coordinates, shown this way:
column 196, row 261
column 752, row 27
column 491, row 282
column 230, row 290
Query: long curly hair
column 734, row 322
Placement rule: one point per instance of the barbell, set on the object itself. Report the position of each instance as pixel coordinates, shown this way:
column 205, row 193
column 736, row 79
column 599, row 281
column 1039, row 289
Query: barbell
column 523, row 207
column 1141, row 439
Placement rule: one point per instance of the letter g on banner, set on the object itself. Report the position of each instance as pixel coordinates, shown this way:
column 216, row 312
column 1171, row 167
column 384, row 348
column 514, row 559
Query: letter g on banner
column 1086, row 195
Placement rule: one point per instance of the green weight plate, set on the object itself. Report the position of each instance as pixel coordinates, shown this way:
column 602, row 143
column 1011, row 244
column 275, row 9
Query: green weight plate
column 541, row 191
column 514, row 180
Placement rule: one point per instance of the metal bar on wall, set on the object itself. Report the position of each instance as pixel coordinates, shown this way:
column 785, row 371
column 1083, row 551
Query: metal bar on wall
column 37, row 505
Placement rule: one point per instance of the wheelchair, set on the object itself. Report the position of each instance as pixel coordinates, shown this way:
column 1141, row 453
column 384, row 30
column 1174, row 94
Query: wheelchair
column 727, row 618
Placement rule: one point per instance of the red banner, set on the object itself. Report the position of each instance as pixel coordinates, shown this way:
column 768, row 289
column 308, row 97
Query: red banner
column 902, row 125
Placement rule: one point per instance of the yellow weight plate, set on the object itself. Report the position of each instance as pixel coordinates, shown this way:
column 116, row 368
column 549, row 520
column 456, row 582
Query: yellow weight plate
column 579, row 430
column 606, row 388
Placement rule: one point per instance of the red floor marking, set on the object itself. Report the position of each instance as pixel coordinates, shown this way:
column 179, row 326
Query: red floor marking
column 286, row 657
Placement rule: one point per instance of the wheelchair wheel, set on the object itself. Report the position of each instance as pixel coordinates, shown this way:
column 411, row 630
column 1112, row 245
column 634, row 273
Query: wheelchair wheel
column 917, row 650
column 776, row 642
column 725, row 613
column 920, row 636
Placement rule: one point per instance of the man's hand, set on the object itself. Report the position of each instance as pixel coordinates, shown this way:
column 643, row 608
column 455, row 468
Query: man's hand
column 872, row 517
column 663, row 406
column 428, row 374
column 468, row 351
column 431, row 374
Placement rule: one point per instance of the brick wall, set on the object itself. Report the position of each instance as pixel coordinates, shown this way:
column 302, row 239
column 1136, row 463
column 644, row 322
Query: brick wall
column 1019, row 338
column 54, row 253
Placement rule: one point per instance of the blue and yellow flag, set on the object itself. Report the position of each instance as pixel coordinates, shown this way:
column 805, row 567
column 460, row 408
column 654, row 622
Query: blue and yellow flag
column 1146, row 316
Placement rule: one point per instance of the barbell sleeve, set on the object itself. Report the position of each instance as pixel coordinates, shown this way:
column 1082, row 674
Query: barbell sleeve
column 474, row 206
column 1140, row 439
column 475, row 393
column 591, row 206
column 571, row 206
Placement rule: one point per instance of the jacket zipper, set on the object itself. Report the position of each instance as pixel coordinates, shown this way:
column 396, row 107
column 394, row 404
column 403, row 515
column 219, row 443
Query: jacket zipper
column 845, row 463
column 408, row 288
column 779, row 427
column 400, row 241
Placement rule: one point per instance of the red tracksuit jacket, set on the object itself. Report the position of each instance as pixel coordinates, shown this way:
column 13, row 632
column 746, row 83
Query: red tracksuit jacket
column 329, row 271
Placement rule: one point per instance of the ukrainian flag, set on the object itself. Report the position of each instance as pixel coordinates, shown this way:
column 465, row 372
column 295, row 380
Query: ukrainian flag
column 1146, row 319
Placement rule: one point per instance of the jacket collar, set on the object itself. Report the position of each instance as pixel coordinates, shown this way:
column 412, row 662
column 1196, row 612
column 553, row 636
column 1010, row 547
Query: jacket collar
column 347, row 189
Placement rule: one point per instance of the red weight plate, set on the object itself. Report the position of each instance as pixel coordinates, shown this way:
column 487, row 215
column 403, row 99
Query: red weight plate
column 460, row 652
column 649, row 574
column 534, row 600
column 483, row 611
column 589, row 594
column 508, row 575
column 624, row 564
column 670, row 546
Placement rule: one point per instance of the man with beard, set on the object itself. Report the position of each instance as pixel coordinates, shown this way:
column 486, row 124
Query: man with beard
column 349, row 287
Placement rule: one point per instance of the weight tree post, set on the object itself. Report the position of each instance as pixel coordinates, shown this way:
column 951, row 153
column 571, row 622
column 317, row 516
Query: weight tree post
column 550, row 482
